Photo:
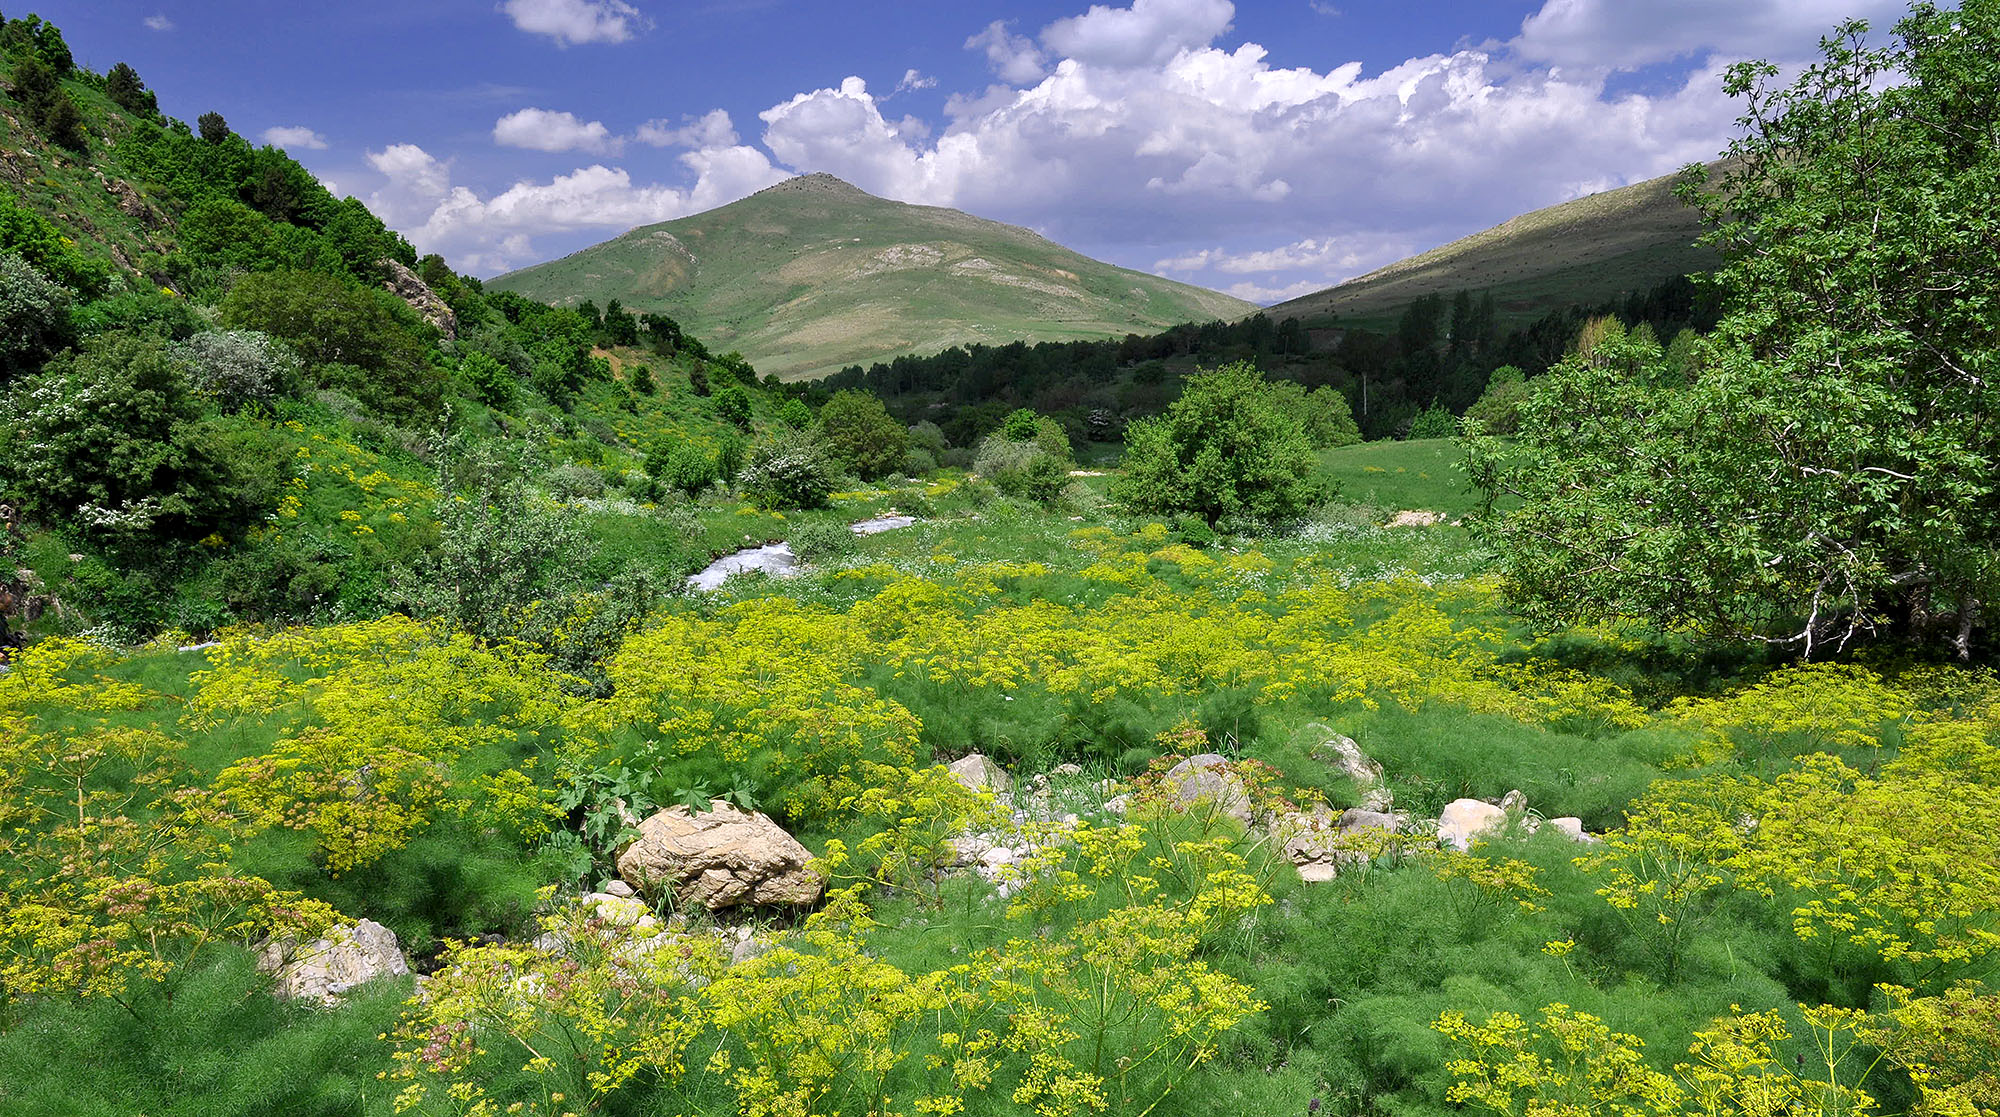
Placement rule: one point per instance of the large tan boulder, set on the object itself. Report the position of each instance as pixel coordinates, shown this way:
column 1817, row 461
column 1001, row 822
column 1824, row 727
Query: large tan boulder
column 1464, row 820
column 720, row 858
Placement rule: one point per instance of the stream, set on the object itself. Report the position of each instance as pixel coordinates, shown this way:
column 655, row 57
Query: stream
column 776, row 560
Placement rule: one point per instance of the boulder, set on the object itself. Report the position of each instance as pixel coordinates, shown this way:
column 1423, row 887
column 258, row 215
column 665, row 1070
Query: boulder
column 325, row 969
column 1465, row 819
column 1572, row 827
column 1207, row 777
column 720, row 858
column 1515, row 803
column 980, row 774
column 1416, row 518
column 1344, row 756
column 1357, row 818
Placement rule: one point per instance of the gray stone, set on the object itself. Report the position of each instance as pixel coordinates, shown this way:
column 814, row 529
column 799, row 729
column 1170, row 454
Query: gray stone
column 325, row 969
column 980, row 773
column 1355, row 818
column 1206, row 778
column 1514, row 803
column 1344, row 756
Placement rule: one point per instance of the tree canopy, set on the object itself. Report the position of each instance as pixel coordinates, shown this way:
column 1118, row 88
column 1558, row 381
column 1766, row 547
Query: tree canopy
column 1824, row 465
column 1228, row 447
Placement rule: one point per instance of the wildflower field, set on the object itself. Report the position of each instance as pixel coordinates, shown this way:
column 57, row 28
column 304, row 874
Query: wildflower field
column 1789, row 907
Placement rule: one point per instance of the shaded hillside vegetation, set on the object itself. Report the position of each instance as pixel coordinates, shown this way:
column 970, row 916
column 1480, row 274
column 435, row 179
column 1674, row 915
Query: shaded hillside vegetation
column 814, row 274
column 1579, row 252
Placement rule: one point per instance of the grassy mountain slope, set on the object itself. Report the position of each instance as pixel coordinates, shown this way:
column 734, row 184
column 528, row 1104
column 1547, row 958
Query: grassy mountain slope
column 814, row 274
column 1577, row 252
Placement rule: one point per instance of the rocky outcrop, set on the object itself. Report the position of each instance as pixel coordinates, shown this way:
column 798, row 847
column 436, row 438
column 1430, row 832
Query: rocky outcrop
column 405, row 285
column 325, row 969
column 720, row 858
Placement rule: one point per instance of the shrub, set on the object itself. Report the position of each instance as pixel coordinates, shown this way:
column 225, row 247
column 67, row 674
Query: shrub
column 241, row 367
column 788, row 471
column 576, row 482
column 816, row 540
column 1227, row 447
column 34, row 317
column 685, row 468
column 860, row 434
column 1433, row 422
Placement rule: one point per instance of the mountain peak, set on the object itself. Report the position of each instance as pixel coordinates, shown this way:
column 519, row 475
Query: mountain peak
column 817, row 183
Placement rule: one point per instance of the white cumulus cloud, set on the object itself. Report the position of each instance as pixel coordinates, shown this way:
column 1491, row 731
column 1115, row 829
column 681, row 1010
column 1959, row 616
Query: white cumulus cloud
column 1148, row 33
column 158, row 22
column 713, row 129
column 576, row 21
column 294, row 137
column 1618, row 34
column 1015, row 58
column 543, row 130
column 490, row 234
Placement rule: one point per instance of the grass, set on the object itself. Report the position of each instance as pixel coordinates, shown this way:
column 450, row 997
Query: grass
column 1420, row 474
column 813, row 275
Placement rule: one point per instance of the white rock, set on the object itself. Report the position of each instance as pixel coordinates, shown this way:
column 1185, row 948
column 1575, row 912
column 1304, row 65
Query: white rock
column 1573, row 827
column 1514, row 803
column 1118, row 804
column 1318, row 872
column 619, row 888
column 996, row 857
column 1343, row 755
column 1465, row 819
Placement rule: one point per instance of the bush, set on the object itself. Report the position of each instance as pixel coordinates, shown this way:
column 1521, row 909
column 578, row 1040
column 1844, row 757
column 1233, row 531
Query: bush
column 576, row 482
column 816, row 540
column 1228, row 447
column 788, row 471
column 490, row 380
column 686, row 468
column 109, row 441
column 241, row 367
column 860, row 434
column 1433, row 422
column 34, row 317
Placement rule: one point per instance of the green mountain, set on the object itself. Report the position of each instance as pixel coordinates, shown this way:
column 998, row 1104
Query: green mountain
column 813, row 275
column 1580, row 252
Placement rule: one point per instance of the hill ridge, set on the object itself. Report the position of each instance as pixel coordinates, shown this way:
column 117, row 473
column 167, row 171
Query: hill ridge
column 814, row 274
column 1581, row 251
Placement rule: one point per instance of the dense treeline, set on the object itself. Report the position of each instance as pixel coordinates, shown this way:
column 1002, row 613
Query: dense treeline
column 1440, row 357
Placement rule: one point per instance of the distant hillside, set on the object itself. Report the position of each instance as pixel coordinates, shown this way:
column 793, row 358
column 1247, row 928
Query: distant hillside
column 1579, row 252
column 813, row 275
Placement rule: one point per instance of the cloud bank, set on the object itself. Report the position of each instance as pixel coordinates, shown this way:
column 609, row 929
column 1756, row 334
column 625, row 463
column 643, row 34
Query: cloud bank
column 1143, row 134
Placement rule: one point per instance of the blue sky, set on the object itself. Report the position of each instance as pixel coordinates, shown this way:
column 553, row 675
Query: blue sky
column 1265, row 148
